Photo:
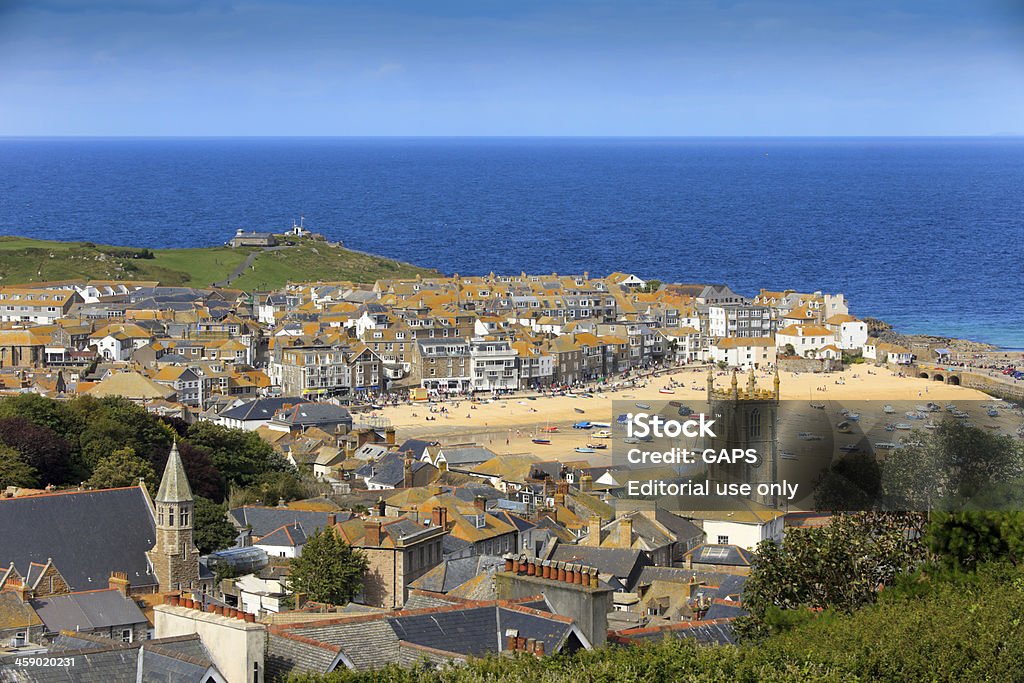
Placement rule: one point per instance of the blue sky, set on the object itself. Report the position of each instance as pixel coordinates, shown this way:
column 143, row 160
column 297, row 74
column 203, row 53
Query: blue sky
column 522, row 67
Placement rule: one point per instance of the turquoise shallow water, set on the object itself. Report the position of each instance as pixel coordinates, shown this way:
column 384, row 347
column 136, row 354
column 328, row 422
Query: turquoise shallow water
column 925, row 233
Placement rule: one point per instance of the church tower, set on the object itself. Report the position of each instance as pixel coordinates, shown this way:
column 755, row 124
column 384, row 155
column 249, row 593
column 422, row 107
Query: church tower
column 175, row 558
column 746, row 417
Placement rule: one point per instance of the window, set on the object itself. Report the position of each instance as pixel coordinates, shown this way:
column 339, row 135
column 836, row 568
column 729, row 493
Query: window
column 126, row 635
column 722, row 540
column 184, row 518
column 20, row 639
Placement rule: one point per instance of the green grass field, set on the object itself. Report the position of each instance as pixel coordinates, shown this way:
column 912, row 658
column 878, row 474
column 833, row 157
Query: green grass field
column 24, row 260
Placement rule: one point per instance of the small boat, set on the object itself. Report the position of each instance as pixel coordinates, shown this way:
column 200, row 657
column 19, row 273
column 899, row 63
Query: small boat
column 376, row 406
column 601, row 425
column 602, row 434
column 631, row 440
column 541, row 441
column 549, row 430
column 786, row 455
column 579, row 410
column 890, row 427
column 809, row 436
column 888, row 409
column 818, row 406
column 903, row 427
column 586, row 396
column 597, row 446
column 886, row 445
column 992, row 412
column 843, row 427
column 642, row 406
column 854, row 416
column 930, row 425
column 622, row 419
column 582, row 425
column 665, row 391
column 849, row 448
column 584, row 450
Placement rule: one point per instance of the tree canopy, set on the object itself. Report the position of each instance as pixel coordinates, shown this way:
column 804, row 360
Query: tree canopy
column 328, row 570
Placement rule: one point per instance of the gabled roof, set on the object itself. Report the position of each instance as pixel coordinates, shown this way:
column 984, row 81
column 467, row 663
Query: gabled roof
column 265, row 520
column 287, row 536
column 260, row 408
column 89, row 534
column 87, row 611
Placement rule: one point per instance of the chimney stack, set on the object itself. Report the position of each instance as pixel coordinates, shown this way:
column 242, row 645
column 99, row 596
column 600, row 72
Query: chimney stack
column 389, row 436
column 332, row 519
column 480, row 503
column 407, row 480
column 119, row 582
column 593, row 537
column 625, row 532
column 440, row 517
column 371, row 535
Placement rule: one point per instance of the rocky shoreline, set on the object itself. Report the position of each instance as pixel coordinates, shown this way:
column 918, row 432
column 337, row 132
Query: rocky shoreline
column 885, row 332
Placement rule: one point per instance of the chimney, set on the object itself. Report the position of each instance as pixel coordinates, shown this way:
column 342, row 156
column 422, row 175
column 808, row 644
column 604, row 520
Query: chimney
column 440, row 517
column 371, row 533
column 119, row 582
column 593, row 537
column 18, row 587
column 381, row 506
column 389, row 436
column 511, row 639
column 586, row 483
column 480, row 503
column 300, row 600
column 625, row 532
column 332, row 519
column 407, row 481
column 559, row 499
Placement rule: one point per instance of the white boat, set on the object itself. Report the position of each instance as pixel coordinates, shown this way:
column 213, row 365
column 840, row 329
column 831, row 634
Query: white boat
column 601, row 425
column 903, row 426
column 888, row 410
column 886, row 445
column 787, row 455
column 809, row 436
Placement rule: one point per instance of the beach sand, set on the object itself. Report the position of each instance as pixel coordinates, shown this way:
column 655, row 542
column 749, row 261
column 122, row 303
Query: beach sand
column 508, row 425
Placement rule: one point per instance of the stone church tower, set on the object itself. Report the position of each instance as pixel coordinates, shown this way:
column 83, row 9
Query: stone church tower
column 746, row 417
column 175, row 558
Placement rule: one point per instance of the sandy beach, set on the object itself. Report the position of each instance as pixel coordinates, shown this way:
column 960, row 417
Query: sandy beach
column 508, row 425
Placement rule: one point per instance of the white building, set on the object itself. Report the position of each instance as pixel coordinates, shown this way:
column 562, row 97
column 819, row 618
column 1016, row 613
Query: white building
column 851, row 334
column 807, row 340
column 743, row 320
column 744, row 352
column 494, row 365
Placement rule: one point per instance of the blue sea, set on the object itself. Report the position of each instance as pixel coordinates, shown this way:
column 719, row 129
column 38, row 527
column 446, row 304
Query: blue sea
column 925, row 233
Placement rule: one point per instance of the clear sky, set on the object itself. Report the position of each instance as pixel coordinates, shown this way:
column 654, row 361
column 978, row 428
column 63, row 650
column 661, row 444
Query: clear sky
column 511, row 67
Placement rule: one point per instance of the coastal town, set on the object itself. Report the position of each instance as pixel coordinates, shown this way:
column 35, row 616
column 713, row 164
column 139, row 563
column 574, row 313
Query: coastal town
column 427, row 424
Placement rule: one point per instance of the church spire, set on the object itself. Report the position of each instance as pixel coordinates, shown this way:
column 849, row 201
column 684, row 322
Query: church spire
column 174, row 486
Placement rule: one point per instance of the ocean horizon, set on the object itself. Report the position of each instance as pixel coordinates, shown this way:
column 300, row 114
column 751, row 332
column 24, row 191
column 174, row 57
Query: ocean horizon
column 923, row 232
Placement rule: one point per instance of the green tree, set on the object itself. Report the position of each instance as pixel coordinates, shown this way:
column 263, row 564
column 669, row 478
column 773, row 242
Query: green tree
column 213, row 531
column 240, row 456
column 14, row 470
column 328, row 570
column 963, row 540
column 956, row 467
column 840, row 566
column 122, row 468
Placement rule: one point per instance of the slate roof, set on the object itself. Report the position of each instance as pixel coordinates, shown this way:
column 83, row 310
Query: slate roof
column 417, row 447
column 706, row 632
column 372, row 641
column 451, row 574
column 619, row 562
column 181, row 659
column 310, row 414
column 289, row 535
column 89, row 534
column 87, row 611
column 389, row 470
column 720, row 554
column 16, row 614
column 265, row 520
column 466, row 455
column 260, row 408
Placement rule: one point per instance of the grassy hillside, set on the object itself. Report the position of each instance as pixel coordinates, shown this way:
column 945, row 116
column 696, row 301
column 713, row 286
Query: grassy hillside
column 24, row 260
